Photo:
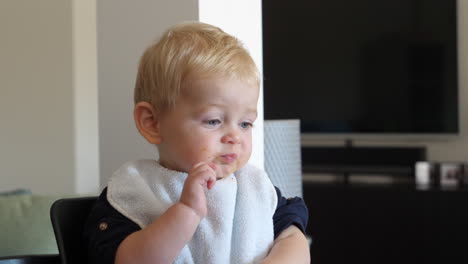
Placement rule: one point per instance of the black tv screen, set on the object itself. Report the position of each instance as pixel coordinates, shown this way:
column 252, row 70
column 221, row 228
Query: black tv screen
column 362, row 66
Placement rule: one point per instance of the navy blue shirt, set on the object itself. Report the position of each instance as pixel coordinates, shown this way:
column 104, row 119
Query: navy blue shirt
column 106, row 228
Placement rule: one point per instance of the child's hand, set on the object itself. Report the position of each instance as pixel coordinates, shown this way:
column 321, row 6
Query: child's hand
column 193, row 194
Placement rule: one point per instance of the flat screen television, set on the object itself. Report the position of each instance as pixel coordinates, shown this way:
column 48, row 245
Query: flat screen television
column 362, row 67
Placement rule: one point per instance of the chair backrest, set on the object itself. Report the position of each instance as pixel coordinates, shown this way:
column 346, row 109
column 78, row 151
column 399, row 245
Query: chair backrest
column 68, row 219
column 283, row 155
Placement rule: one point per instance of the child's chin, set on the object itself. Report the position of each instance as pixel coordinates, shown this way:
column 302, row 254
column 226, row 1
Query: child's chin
column 225, row 172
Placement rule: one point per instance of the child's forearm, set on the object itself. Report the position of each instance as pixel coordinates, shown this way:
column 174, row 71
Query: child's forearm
column 162, row 240
column 290, row 246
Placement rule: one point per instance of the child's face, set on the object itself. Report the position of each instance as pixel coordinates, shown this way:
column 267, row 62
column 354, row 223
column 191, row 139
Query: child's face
column 211, row 122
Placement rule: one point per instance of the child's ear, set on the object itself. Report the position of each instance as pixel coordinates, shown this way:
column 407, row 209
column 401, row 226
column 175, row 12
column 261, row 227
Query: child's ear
column 147, row 122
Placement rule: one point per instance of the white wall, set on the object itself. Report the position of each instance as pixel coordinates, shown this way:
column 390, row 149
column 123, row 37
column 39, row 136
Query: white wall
column 36, row 96
column 85, row 97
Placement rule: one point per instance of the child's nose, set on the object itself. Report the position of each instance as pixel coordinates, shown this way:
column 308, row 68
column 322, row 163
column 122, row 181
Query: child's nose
column 230, row 138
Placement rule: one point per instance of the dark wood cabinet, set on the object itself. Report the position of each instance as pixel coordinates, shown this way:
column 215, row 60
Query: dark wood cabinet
column 386, row 224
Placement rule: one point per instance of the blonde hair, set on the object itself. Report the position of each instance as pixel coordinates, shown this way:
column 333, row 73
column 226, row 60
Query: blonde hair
column 190, row 50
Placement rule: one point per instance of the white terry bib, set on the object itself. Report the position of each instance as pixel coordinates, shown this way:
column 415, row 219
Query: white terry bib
column 238, row 227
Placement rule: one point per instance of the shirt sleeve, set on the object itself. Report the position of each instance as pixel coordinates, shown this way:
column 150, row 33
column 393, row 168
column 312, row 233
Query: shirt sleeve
column 289, row 211
column 104, row 230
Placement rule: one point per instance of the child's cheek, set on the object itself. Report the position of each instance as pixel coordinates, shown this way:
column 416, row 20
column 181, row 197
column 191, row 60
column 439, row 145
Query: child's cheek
column 204, row 155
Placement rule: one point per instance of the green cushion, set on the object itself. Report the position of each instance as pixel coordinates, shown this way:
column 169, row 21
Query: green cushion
column 25, row 225
column 15, row 192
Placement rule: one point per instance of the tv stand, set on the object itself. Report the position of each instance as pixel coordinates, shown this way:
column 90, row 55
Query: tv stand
column 350, row 159
column 348, row 145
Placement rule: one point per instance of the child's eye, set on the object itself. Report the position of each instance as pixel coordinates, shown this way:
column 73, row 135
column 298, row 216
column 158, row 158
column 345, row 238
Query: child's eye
column 246, row 124
column 213, row 122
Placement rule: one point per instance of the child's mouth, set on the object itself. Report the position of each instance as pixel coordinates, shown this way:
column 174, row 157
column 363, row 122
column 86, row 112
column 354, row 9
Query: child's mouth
column 228, row 158
column 229, row 164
